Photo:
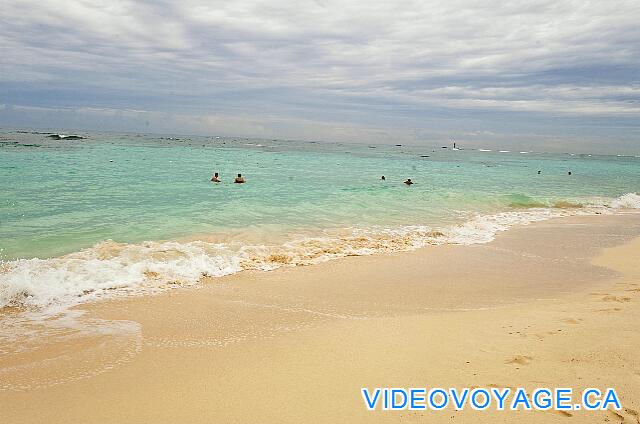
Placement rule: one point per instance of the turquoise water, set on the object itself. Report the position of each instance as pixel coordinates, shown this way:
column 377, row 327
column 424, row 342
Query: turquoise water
column 62, row 197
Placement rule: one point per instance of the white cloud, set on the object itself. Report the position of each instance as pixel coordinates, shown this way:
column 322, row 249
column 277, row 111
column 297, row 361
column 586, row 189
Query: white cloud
column 310, row 58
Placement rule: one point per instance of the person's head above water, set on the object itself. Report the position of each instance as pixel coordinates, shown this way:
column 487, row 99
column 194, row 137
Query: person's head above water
column 215, row 175
column 383, row 178
column 408, row 181
column 239, row 175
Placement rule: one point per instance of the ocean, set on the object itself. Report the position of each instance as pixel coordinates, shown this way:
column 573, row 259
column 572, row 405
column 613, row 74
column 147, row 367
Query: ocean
column 120, row 214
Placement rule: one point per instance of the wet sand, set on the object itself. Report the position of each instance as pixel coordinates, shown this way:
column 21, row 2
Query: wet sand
column 553, row 304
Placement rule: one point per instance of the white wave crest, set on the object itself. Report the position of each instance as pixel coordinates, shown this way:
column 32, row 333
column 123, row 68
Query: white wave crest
column 629, row 200
column 109, row 268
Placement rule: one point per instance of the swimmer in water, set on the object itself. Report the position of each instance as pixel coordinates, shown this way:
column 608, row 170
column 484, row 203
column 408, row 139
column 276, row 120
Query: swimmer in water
column 408, row 182
column 215, row 178
column 239, row 179
column 383, row 178
column 539, row 172
column 569, row 173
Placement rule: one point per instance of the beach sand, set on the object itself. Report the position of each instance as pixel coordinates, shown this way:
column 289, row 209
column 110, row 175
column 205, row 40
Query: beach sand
column 552, row 304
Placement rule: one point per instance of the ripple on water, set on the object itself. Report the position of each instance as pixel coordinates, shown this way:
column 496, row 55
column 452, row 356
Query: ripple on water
column 40, row 353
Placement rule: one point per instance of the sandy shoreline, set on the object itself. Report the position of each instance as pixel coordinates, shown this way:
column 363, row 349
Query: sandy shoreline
column 551, row 304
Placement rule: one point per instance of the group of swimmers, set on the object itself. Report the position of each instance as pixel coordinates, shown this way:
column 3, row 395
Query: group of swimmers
column 407, row 181
column 238, row 180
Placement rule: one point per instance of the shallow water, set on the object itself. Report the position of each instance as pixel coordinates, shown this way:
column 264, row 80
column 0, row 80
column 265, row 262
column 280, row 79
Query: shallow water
column 122, row 213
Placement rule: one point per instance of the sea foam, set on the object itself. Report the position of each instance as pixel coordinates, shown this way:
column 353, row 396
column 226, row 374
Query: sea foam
column 115, row 269
column 629, row 200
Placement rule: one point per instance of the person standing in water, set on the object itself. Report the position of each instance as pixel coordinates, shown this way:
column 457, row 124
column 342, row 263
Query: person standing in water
column 215, row 178
column 239, row 179
column 408, row 182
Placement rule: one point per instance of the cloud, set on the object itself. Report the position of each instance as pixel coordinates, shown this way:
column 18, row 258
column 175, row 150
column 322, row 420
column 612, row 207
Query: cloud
column 410, row 65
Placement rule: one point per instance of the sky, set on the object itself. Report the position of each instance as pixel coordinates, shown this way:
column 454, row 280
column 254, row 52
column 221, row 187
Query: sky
column 539, row 74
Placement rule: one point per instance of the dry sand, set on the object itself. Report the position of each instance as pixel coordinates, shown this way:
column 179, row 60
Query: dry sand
column 553, row 304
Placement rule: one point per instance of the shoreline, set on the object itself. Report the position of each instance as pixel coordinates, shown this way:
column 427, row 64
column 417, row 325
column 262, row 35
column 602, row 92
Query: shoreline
column 298, row 343
column 110, row 269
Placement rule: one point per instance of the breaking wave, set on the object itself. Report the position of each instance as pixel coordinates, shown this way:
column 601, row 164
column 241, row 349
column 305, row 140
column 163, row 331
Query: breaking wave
column 629, row 200
column 110, row 268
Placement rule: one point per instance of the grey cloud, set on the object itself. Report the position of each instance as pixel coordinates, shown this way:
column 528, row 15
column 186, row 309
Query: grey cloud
column 354, row 62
